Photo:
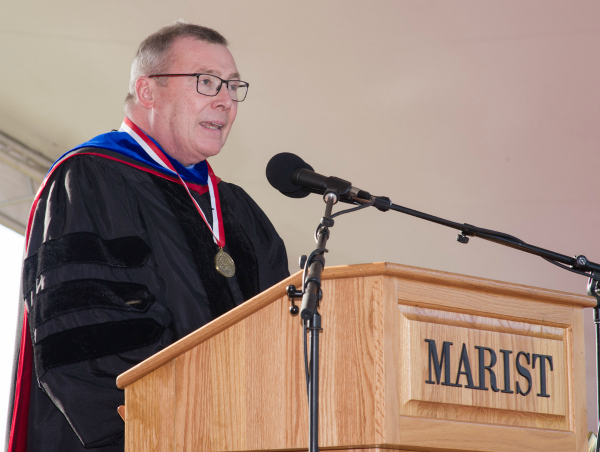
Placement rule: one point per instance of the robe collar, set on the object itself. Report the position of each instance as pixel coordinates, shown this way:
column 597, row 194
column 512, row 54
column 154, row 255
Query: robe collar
column 122, row 143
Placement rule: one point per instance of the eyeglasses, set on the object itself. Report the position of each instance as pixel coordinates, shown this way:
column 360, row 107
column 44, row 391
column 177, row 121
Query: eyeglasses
column 210, row 85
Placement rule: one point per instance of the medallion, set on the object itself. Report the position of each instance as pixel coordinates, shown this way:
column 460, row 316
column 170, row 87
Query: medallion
column 224, row 264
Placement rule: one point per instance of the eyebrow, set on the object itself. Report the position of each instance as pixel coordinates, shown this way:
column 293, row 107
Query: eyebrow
column 234, row 76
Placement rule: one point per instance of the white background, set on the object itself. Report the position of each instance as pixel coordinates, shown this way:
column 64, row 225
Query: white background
column 11, row 254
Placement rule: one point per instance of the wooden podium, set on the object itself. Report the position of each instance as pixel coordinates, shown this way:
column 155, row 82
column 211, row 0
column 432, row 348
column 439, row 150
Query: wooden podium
column 411, row 359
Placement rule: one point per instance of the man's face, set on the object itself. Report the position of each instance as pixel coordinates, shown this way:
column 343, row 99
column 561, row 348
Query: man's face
column 190, row 126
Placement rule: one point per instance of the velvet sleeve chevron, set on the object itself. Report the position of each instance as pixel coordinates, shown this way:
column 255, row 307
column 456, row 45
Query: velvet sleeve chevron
column 92, row 288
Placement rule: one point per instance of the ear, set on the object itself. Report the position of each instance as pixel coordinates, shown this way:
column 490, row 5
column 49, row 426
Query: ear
column 144, row 88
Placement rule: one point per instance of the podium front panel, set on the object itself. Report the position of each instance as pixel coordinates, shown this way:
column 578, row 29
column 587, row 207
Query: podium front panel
column 411, row 359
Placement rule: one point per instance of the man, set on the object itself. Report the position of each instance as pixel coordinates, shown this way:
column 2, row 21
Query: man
column 134, row 243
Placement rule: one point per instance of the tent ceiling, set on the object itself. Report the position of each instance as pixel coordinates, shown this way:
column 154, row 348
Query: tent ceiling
column 21, row 171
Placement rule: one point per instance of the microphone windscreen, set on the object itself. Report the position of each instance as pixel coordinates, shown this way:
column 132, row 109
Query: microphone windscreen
column 279, row 174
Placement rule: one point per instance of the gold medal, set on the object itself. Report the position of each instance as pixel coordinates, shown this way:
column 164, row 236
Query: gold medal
column 224, row 264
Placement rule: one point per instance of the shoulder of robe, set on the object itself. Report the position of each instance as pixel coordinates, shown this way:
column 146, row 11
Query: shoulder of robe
column 97, row 167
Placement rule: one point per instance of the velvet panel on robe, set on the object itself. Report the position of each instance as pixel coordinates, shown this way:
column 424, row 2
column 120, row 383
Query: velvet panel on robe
column 119, row 266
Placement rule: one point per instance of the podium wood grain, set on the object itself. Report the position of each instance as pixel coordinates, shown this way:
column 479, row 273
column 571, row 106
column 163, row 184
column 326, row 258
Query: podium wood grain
column 238, row 383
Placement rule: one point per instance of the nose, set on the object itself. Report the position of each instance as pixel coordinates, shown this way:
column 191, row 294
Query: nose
column 222, row 100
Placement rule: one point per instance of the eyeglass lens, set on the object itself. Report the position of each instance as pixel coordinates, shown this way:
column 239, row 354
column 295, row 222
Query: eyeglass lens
column 209, row 86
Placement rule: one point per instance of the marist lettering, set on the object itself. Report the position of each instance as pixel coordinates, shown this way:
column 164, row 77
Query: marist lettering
column 487, row 359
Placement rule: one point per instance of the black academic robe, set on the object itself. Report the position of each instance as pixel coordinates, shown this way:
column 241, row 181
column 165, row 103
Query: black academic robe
column 119, row 265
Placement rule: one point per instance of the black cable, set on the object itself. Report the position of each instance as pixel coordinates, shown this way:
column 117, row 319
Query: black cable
column 535, row 250
column 318, row 231
column 490, row 232
column 307, row 264
column 306, row 375
column 354, row 209
column 425, row 216
column 566, row 267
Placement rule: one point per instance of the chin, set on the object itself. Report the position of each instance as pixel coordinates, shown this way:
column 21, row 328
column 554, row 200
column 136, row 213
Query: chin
column 208, row 153
column 210, row 148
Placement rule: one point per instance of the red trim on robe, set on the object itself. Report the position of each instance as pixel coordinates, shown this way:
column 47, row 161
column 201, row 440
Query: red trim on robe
column 20, row 414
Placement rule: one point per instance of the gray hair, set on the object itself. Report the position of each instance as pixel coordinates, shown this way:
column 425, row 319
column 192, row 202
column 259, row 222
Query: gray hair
column 153, row 56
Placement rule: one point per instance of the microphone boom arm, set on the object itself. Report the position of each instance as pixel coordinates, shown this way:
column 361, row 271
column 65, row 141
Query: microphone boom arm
column 576, row 264
column 581, row 263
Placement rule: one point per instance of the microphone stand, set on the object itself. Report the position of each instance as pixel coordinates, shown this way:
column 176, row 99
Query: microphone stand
column 313, row 267
column 309, row 312
column 594, row 290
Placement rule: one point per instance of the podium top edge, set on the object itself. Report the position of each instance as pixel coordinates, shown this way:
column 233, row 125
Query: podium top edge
column 475, row 283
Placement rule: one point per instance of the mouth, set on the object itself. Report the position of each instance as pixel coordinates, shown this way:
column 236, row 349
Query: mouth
column 212, row 125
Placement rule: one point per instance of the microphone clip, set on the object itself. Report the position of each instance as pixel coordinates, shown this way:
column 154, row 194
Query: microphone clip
column 292, row 294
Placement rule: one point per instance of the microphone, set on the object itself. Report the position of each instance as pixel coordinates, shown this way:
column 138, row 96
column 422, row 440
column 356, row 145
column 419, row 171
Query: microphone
column 295, row 178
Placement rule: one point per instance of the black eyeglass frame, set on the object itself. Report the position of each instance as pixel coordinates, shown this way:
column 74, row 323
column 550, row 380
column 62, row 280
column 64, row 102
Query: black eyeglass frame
column 226, row 82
